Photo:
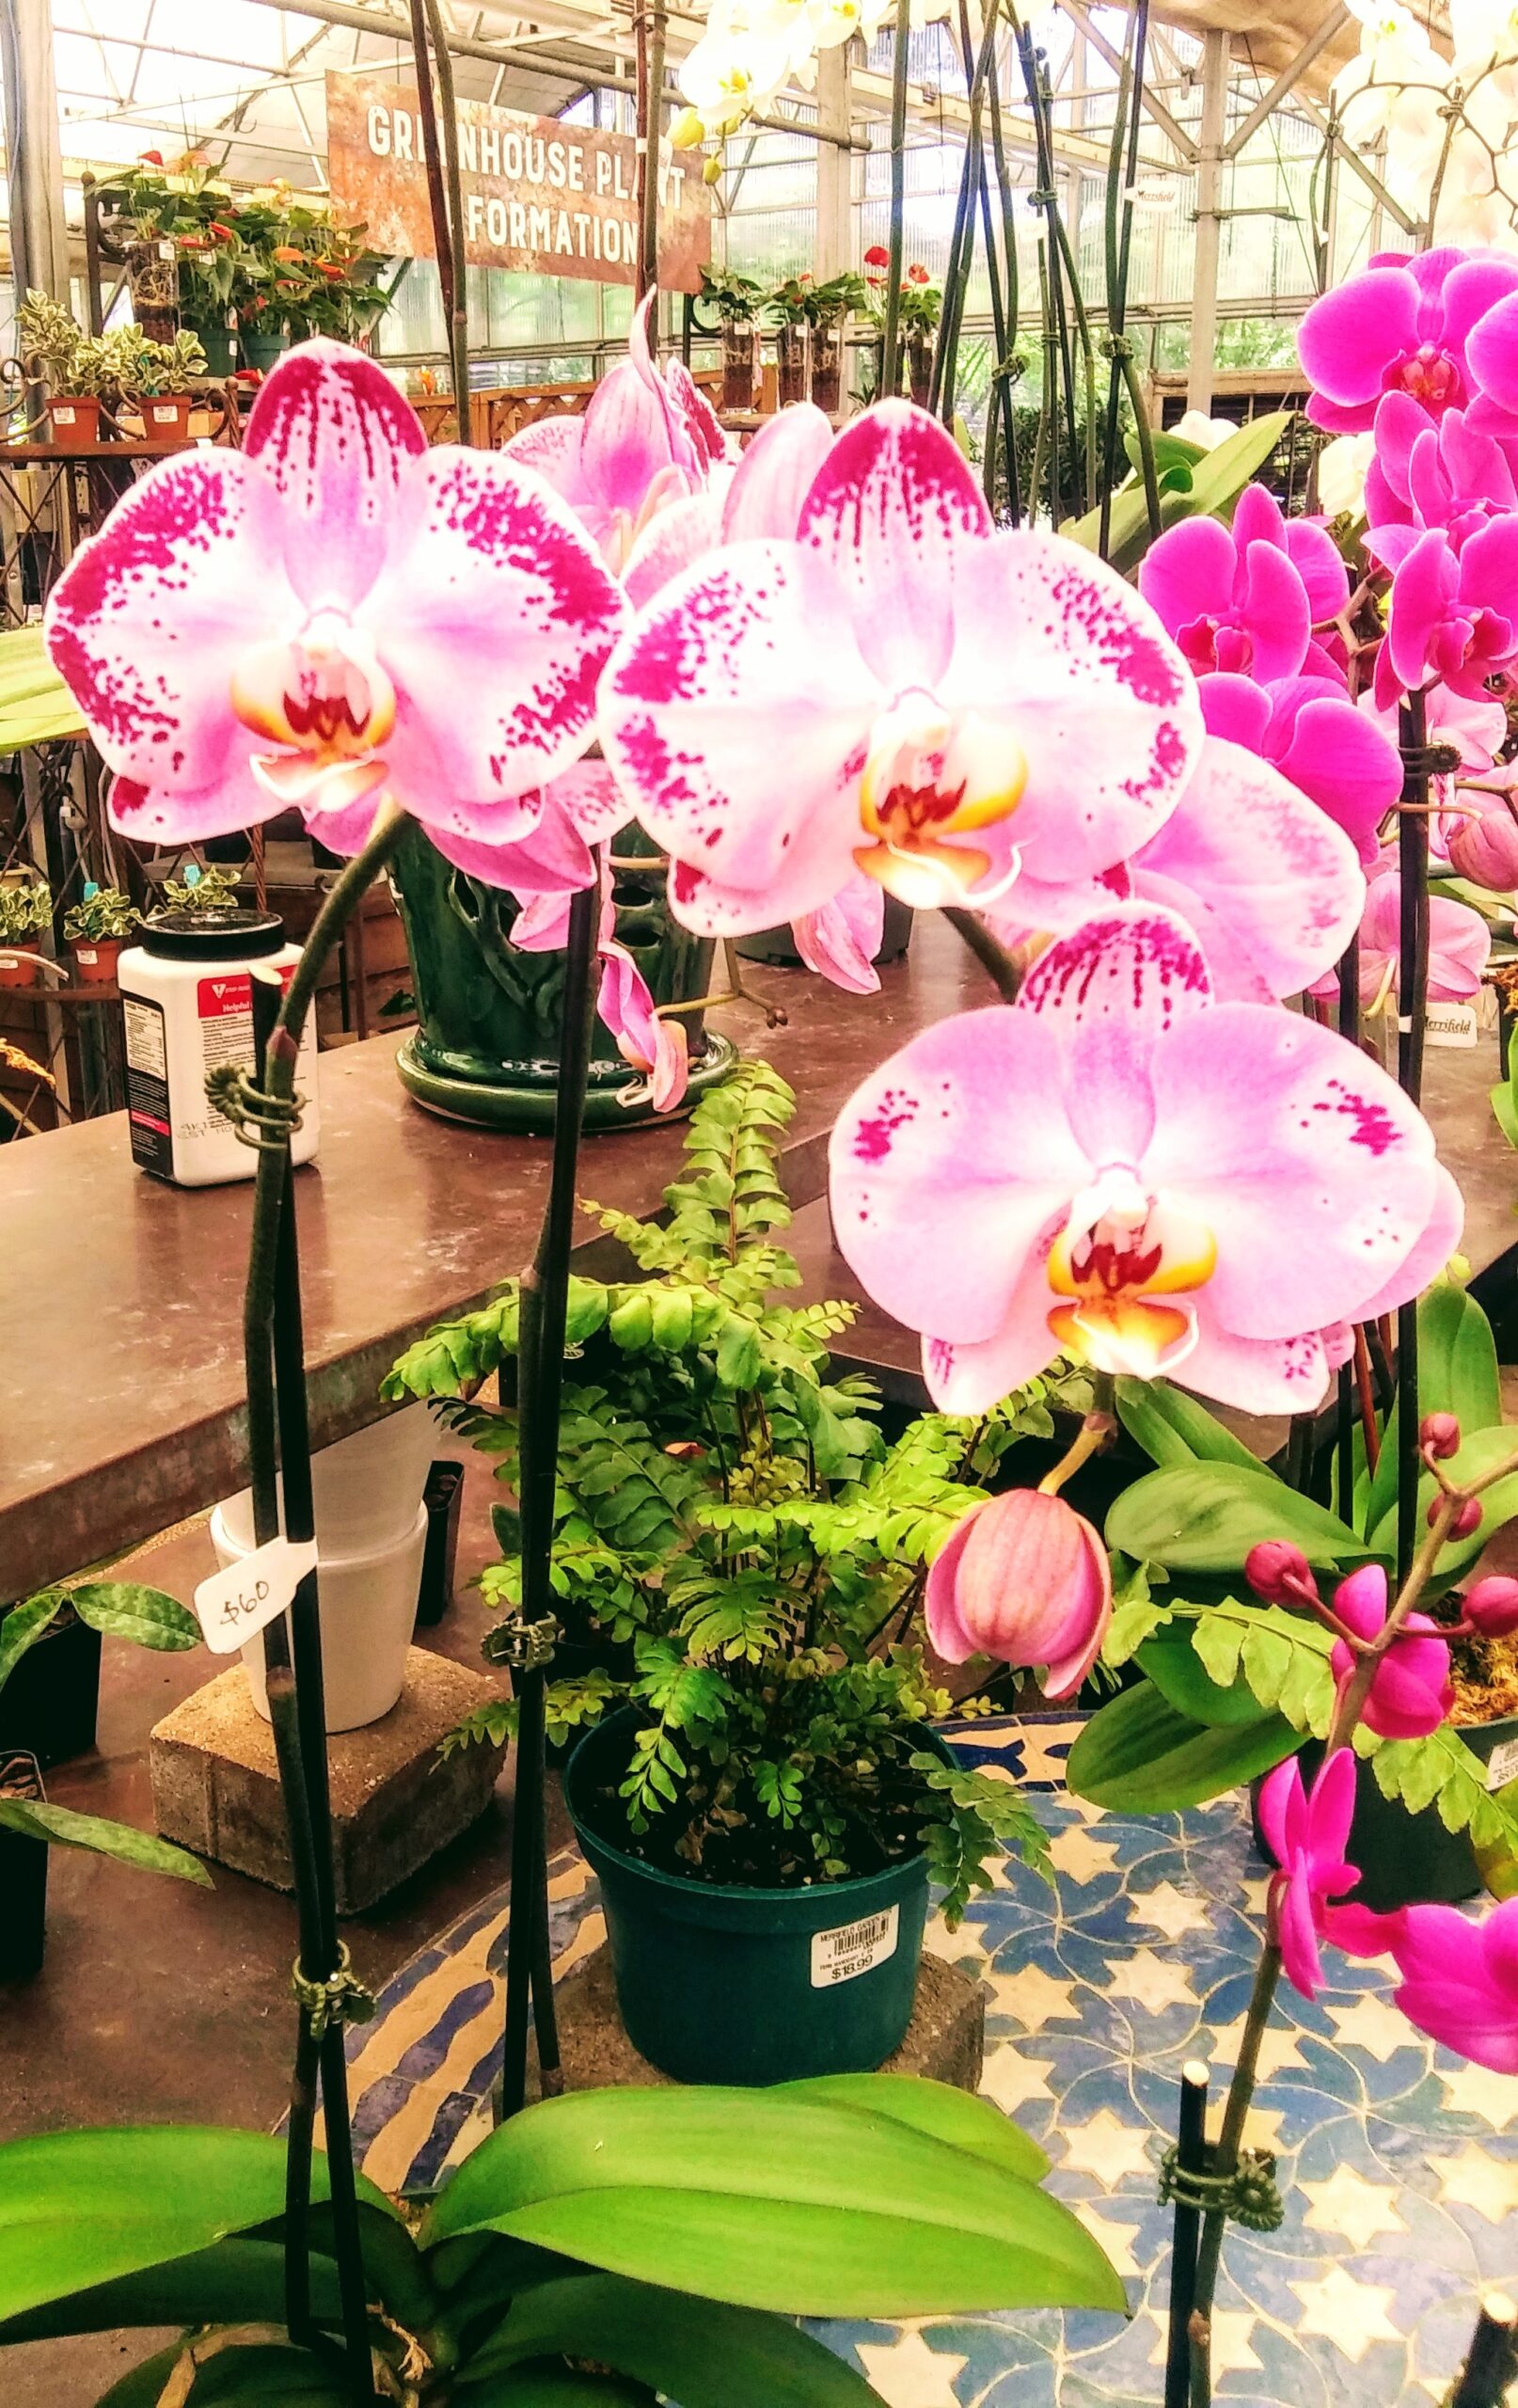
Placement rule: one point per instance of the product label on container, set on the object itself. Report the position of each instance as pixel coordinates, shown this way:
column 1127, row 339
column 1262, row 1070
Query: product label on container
column 854, row 1948
column 147, row 1083
column 1452, row 1024
column 224, row 1006
column 236, row 1603
column 1502, row 1765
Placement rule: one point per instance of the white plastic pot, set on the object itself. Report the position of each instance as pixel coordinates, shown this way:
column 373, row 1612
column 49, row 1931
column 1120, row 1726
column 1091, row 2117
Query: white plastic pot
column 366, row 1489
column 369, row 1611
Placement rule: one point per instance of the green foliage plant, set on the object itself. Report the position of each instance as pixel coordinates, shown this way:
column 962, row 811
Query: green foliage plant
column 740, row 1553
column 100, row 916
column 26, row 909
column 737, row 300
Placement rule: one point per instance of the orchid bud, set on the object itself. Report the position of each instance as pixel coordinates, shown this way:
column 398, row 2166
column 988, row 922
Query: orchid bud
column 1467, row 1516
column 1439, row 1436
column 1484, row 848
column 1492, row 1606
column 1279, row 1572
column 1025, row 1579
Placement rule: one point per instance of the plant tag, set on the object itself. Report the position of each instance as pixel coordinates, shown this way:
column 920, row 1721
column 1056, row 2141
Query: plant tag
column 64, row 414
column 854, row 1948
column 1502, row 1765
column 234, row 1603
column 1453, row 1024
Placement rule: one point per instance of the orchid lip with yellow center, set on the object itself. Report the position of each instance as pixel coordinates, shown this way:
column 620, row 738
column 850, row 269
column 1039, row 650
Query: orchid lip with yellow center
column 1121, row 1250
column 323, row 693
column 931, row 777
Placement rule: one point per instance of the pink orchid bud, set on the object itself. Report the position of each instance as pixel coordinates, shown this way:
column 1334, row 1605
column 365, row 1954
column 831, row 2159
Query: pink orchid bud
column 1484, row 848
column 1023, row 1578
column 1279, row 1572
column 1492, row 1606
column 1439, row 1436
column 1466, row 1519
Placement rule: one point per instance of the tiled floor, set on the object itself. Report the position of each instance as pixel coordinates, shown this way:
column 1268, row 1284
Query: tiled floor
column 1400, row 2164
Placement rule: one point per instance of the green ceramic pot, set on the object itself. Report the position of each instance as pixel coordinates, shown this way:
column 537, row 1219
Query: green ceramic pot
column 486, row 1046
column 262, row 351
column 220, row 347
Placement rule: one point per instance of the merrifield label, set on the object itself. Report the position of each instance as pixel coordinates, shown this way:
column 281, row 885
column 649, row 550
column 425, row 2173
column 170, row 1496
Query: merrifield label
column 234, row 1603
column 854, row 1948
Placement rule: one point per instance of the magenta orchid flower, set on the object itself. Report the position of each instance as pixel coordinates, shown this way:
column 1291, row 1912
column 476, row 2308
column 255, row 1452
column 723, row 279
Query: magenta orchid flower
column 1310, row 1837
column 1436, row 474
column 1338, row 756
column 1023, row 1578
column 657, row 1048
column 1404, row 325
column 1453, row 614
column 1122, row 1168
column 1246, row 599
column 333, row 615
column 1460, row 1980
column 647, row 441
column 899, row 690
column 1411, row 1694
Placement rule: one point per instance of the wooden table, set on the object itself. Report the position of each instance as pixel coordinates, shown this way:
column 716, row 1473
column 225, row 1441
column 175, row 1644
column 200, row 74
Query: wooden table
column 120, row 1298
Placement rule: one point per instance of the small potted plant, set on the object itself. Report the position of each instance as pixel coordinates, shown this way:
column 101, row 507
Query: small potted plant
column 206, row 893
column 790, row 310
column 79, row 370
column 826, row 308
column 96, row 927
column 25, row 910
column 158, row 375
column 920, row 309
column 762, row 1794
column 738, row 303
column 149, row 208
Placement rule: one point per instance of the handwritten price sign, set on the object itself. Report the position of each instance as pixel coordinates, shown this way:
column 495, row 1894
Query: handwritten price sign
column 236, row 1603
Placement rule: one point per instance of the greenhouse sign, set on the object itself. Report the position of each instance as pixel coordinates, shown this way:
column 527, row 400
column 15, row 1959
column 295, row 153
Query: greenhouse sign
column 554, row 198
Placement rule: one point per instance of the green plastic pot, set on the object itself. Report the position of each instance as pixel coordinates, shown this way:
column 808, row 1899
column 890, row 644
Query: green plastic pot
column 262, row 351
column 718, row 1983
column 220, row 347
column 486, row 1046
column 1406, row 1858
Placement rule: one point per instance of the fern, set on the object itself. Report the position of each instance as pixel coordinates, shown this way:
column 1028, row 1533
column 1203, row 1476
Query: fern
column 495, row 1722
column 979, row 1817
column 1440, row 1771
column 1283, row 1657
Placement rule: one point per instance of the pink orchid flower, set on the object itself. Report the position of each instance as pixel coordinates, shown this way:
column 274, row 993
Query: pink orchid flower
column 1435, row 474
column 1411, row 1694
column 332, row 615
column 1120, row 1168
column 1403, row 325
column 1453, row 614
column 899, row 689
column 1269, row 886
column 647, row 441
column 1343, row 760
column 1246, row 599
column 1023, row 1578
column 1460, row 1980
column 657, row 1048
column 1310, row 1837
column 1459, row 945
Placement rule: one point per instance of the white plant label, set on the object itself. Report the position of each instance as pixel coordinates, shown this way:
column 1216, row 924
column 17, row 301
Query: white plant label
column 234, row 1603
column 1453, row 1024
column 1502, row 1765
column 854, row 1948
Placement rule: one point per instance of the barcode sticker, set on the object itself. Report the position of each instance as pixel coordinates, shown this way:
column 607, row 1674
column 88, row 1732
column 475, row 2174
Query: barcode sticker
column 236, row 1603
column 1502, row 1765
column 854, row 1948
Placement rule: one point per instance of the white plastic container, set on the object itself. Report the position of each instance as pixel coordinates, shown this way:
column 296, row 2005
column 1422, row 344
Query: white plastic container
column 369, row 1611
column 187, row 1005
column 365, row 1490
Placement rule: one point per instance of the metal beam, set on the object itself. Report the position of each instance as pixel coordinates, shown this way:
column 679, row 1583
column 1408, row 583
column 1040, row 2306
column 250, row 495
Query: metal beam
column 1179, row 139
column 1289, row 77
column 1352, row 159
column 34, row 149
column 1208, row 220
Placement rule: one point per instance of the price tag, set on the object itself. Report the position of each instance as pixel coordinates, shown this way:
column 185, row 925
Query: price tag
column 234, row 1603
column 854, row 1948
column 1502, row 1765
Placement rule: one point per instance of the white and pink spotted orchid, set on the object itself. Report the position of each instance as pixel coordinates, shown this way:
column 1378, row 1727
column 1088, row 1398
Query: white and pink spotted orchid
column 648, row 440
column 657, row 1048
column 336, row 616
column 1121, row 1168
column 898, row 691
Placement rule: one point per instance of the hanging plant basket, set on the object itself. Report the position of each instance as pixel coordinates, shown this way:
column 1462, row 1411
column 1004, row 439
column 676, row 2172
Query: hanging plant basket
column 487, row 1049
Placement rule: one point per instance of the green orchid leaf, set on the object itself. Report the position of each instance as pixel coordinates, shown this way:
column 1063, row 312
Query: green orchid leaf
column 124, row 1609
column 22, row 1625
column 699, row 2351
column 558, row 2387
column 144, row 2386
column 935, row 2107
column 1173, row 1428
column 1500, row 1503
column 1456, row 1374
column 1206, row 1516
column 1140, row 1757
column 1217, row 480
column 234, row 2282
column 266, row 2375
column 1172, row 1663
column 97, row 1837
column 772, row 2201
column 81, row 2209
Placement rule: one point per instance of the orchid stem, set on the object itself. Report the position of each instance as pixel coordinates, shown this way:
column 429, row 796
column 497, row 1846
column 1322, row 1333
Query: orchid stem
column 1096, row 1431
column 988, row 949
column 891, row 331
column 1225, row 2162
